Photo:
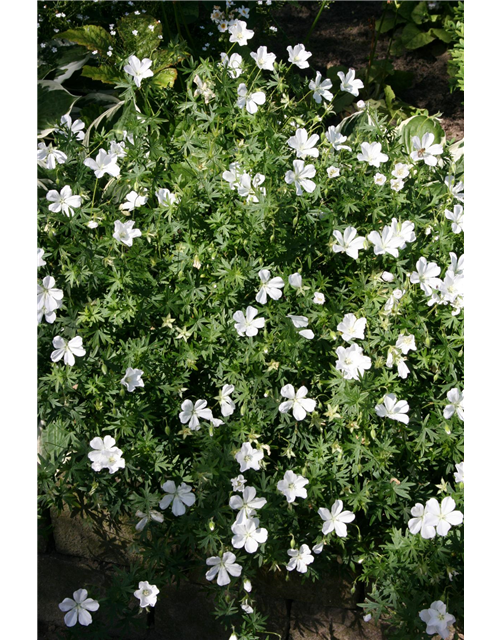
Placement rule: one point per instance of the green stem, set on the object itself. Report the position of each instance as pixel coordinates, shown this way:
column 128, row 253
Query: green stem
column 374, row 47
column 93, row 195
column 165, row 18
column 309, row 33
column 190, row 38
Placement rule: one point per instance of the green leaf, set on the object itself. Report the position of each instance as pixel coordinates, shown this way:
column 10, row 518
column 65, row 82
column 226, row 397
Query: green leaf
column 169, row 57
column 105, row 74
column 90, row 36
column 418, row 126
column 442, row 34
column 389, row 96
column 54, row 101
column 146, row 41
column 405, row 9
column 413, row 38
column 388, row 22
column 420, row 13
column 165, row 78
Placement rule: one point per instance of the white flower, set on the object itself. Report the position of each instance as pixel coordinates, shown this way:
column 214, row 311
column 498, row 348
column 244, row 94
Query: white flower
column 146, row 517
column 420, row 522
column 147, row 594
column 295, row 280
column 361, row 104
column 318, row 548
column 138, row 69
column 298, row 56
column 336, row 519
column 48, row 299
column 246, row 504
column 263, row 59
column 238, row 483
column 293, row 486
column 92, row 224
column 78, row 609
column 240, row 33
column 300, row 177
column 457, row 399
column 456, row 190
column 303, row 145
column 40, row 262
column 393, row 300
column 333, row 172
column 134, row 200
column 49, row 157
column 301, row 321
column 456, row 217
column 397, row 184
column 248, row 457
column 437, row 620
column 371, row 152
column 352, row 363
column 336, row 139
column 459, row 473
column 297, row 402
column 394, row 357
column 426, row 274
column 385, row 243
column 67, row 349
column 387, row 276
column 203, row 89
column 401, row 170
column 443, row 515
column 379, row 179
column 249, row 101
column 248, row 535
column 352, row 328
column 106, row 455
column 247, row 186
column 132, row 379
column 319, row 298
column 349, row 83
column 232, row 64
column 244, row 605
column 233, row 175
column 348, row 243
column 247, row 585
column 425, row 150
column 403, row 232
column 178, row 496
column 64, row 201
column 117, row 149
column 165, row 197
column 76, row 127
column 192, row 414
column 227, row 405
column 368, row 617
column 270, row 287
column 248, row 325
column 406, row 343
column 321, row 89
column 457, row 265
column 222, row 568
column 124, row 232
column 299, row 559
column 104, row 163
column 393, row 409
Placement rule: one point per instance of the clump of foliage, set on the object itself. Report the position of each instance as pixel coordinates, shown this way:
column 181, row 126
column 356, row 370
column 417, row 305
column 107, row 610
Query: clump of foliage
column 455, row 27
column 230, row 201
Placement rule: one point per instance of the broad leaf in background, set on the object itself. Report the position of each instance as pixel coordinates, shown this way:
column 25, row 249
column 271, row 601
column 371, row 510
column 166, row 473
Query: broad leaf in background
column 53, row 102
column 418, row 126
column 90, row 36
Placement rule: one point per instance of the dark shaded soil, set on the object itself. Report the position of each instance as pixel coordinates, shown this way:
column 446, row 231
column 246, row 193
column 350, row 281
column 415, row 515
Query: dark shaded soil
column 344, row 36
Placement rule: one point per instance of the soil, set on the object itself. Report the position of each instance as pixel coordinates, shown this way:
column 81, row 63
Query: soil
column 344, row 35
